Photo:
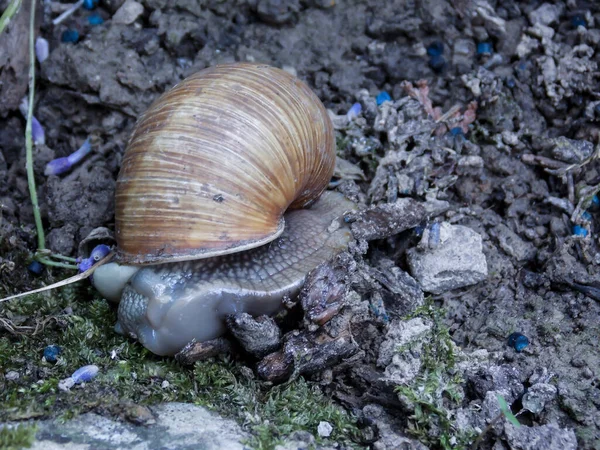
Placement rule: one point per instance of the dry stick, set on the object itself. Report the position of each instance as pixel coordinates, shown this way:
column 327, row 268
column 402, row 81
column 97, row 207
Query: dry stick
column 69, row 280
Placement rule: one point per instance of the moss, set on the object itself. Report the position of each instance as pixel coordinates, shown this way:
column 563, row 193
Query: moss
column 15, row 438
column 437, row 389
column 271, row 413
column 83, row 328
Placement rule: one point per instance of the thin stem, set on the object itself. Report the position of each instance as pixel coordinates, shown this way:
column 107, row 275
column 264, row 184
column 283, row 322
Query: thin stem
column 63, row 258
column 28, row 140
column 49, row 262
column 8, row 14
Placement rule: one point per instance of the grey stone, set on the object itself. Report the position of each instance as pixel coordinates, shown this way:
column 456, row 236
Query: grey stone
column 128, row 12
column 455, row 260
column 546, row 14
column 388, row 436
column 259, row 336
column 178, row 426
column 388, row 219
column 537, row 396
column 401, row 351
column 545, row 437
column 513, row 245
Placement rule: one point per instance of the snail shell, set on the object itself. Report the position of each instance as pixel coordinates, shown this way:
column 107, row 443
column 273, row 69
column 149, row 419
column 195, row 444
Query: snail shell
column 215, row 162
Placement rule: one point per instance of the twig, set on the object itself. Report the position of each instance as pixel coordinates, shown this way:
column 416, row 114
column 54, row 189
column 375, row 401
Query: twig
column 28, row 140
column 69, row 280
column 9, row 13
column 68, row 12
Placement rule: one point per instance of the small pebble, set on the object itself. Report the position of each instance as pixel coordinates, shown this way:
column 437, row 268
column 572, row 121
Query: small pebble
column 12, row 375
column 51, row 353
column 518, row 341
column 69, row 36
column 165, row 384
column 35, row 267
column 484, row 48
column 85, row 374
column 578, row 230
column 95, row 19
column 324, row 429
column 383, row 97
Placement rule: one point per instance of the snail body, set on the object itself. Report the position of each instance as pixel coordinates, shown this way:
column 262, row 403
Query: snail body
column 208, row 174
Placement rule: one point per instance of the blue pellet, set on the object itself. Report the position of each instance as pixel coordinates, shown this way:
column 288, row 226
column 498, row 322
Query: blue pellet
column 383, row 97
column 586, row 216
column 510, row 82
column 484, row 48
column 595, row 201
column 577, row 21
column 518, row 341
column 95, row 19
column 35, row 267
column 51, row 353
column 578, row 230
column 436, row 48
column 437, row 63
column 457, row 131
column 69, row 36
column 90, row 4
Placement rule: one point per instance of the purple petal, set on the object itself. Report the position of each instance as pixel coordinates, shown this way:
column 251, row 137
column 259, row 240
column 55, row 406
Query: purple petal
column 78, row 155
column 85, row 374
column 41, row 49
column 99, row 252
column 354, row 111
column 37, row 132
column 85, row 264
column 57, row 166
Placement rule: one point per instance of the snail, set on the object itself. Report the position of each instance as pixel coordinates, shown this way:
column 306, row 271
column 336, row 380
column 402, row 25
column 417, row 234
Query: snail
column 200, row 218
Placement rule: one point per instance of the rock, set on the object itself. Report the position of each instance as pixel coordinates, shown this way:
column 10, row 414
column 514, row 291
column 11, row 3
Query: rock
column 388, row 436
column 401, row 351
column 546, row 14
column 503, row 379
column 259, row 336
column 298, row 440
column 454, row 260
column 325, row 291
column 544, row 437
column 513, row 245
column 537, row 396
column 188, row 426
column 128, row 12
column 381, row 221
column 404, row 293
column 324, row 429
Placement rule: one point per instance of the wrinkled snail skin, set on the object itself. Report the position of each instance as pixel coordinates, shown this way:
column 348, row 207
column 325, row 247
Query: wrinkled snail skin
column 208, row 174
column 167, row 306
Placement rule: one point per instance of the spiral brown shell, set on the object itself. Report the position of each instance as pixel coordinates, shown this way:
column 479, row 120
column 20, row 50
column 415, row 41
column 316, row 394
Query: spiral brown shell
column 214, row 163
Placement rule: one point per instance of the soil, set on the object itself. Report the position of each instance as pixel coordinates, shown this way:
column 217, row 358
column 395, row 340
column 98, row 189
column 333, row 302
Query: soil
column 501, row 139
